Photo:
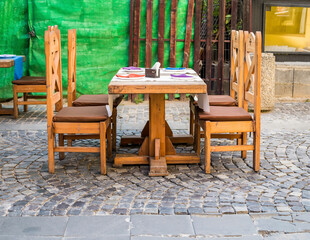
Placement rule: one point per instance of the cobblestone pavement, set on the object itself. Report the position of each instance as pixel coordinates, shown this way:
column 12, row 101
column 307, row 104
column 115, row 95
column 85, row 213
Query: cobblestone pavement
column 281, row 188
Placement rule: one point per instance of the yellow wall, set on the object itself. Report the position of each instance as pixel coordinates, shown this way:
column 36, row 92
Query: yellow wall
column 289, row 36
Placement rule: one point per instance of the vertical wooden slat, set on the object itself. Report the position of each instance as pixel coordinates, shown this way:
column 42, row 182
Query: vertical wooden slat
column 234, row 14
column 173, row 33
column 161, row 31
column 148, row 34
column 221, row 44
column 136, row 40
column 131, row 32
column 197, row 35
column 209, row 43
column 188, row 33
column 148, row 37
column 246, row 15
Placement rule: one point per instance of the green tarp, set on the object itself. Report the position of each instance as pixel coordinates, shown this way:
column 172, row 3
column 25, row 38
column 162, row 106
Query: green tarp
column 14, row 39
column 102, row 37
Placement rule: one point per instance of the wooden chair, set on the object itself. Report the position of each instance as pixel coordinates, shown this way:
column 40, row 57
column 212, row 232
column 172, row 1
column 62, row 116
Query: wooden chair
column 236, row 89
column 70, row 120
column 237, row 119
column 28, row 85
column 87, row 100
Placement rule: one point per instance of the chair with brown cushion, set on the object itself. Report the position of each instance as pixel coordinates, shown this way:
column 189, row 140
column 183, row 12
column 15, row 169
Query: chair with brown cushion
column 28, row 85
column 221, row 120
column 70, row 120
column 236, row 89
column 87, row 100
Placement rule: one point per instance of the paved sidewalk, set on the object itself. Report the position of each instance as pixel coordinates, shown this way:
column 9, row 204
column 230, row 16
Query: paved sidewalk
column 154, row 227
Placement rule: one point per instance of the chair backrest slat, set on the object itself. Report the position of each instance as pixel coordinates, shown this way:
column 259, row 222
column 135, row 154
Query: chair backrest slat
column 236, row 70
column 53, row 69
column 252, row 71
column 71, row 66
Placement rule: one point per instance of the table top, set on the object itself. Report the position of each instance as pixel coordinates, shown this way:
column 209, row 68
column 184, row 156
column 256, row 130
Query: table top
column 7, row 63
column 164, row 84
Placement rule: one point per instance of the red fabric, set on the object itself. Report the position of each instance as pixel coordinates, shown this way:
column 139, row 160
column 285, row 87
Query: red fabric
column 132, row 75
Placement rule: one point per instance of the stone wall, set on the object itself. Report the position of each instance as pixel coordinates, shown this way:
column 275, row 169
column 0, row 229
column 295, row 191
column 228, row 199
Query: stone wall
column 292, row 80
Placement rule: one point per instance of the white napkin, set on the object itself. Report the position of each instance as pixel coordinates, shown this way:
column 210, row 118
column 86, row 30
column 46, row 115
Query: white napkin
column 108, row 110
column 203, row 102
column 156, row 66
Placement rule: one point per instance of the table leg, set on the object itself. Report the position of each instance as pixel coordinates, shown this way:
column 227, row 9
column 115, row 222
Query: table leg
column 157, row 135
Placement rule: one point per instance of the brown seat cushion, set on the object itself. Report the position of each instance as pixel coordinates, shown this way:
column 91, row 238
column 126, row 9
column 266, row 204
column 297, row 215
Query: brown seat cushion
column 81, row 114
column 96, row 100
column 218, row 113
column 27, row 80
column 221, row 100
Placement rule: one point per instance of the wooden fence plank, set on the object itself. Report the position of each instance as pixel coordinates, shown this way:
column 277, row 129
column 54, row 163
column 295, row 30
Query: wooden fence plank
column 173, row 33
column 136, row 40
column 161, row 31
column 188, row 33
column 131, row 32
column 234, row 14
column 221, row 45
column 247, row 15
column 197, row 38
column 209, row 43
column 148, row 33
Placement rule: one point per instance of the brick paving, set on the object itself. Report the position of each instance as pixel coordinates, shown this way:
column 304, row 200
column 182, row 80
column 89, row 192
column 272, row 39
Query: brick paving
column 282, row 187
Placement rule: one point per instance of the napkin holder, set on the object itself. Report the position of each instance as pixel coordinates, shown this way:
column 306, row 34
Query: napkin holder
column 151, row 73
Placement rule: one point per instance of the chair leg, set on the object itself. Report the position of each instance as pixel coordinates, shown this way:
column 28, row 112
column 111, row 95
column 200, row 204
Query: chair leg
column 51, row 154
column 15, row 102
column 256, row 151
column 25, row 100
column 103, row 164
column 109, row 147
column 244, row 142
column 197, row 138
column 61, row 144
column 207, row 147
column 191, row 121
column 114, row 128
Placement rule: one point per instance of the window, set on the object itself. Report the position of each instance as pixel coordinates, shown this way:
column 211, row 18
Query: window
column 287, row 29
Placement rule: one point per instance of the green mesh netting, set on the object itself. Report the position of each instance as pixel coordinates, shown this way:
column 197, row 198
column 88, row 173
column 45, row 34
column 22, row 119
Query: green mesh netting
column 14, row 40
column 102, row 37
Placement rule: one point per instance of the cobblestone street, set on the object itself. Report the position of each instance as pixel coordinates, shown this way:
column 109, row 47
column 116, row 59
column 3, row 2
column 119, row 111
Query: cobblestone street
column 277, row 198
column 77, row 188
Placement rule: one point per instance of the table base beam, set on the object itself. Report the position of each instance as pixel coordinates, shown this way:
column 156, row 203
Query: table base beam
column 134, row 159
column 175, row 139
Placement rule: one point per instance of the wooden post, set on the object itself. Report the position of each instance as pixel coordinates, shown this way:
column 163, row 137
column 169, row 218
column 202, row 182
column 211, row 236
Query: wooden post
column 131, row 22
column 161, row 31
column 234, row 14
column 188, row 33
column 136, row 40
column 209, row 44
column 221, row 44
column 148, row 32
column 197, row 35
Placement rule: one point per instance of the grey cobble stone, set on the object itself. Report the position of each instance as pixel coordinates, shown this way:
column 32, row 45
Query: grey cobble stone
column 77, row 188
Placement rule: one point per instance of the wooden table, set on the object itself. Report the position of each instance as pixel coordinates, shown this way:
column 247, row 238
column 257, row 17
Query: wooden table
column 157, row 148
column 7, row 63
